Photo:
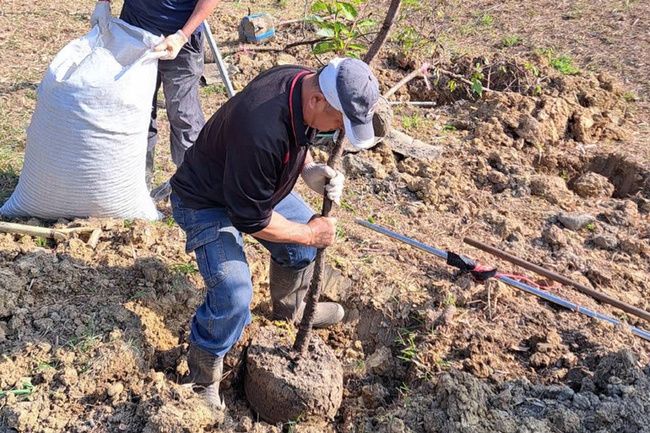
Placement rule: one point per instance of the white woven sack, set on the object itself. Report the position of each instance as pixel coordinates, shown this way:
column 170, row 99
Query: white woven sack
column 87, row 140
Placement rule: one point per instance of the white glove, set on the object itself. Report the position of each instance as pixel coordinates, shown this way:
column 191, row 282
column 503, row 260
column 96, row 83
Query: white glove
column 324, row 179
column 101, row 14
column 172, row 44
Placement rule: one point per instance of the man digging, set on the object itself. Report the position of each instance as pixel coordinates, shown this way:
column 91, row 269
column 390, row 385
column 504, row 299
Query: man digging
column 238, row 179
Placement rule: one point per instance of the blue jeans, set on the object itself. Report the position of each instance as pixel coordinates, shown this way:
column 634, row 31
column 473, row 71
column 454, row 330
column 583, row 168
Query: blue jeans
column 219, row 322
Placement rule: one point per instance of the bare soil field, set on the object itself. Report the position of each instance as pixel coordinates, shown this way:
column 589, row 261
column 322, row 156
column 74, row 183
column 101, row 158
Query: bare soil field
column 551, row 163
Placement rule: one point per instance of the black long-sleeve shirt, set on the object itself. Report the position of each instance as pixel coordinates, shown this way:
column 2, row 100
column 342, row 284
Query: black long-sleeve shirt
column 246, row 157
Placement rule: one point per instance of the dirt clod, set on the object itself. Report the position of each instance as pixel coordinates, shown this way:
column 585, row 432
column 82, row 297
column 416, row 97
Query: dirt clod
column 281, row 388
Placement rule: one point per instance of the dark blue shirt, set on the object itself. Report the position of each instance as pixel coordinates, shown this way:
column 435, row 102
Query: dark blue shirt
column 158, row 16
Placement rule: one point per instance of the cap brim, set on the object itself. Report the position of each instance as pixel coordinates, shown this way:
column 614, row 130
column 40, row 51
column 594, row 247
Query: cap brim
column 361, row 136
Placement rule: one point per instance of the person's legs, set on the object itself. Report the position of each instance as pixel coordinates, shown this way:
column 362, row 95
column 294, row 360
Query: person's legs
column 219, row 322
column 180, row 80
column 292, row 268
column 152, row 136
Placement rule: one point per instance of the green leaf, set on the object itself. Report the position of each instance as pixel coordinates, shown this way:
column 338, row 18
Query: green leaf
column 354, row 55
column 366, row 23
column 324, row 47
column 357, row 47
column 477, row 87
column 327, row 33
column 319, row 6
column 348, row 10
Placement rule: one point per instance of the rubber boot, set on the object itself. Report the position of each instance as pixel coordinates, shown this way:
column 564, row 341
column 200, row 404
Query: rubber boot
column 288, row 289
column 205, row 375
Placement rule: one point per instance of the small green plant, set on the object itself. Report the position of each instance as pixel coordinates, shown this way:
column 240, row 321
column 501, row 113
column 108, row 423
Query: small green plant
column 404, row 390
column 291, row 425
column 345, row 205
column 410, row 122
column 210, row 89
column 338, row 22
column 534, row 69
column 449, row 127
column 562, row 63
column 452, row 85
column 285, row 325
column 170, row 222
column 591, row 227
column 477, row 86
column 629, row 97
column 510, row 41
column 411, row 39
column 185, row 268
column 26, row 388
column 128, row 224
column 564, row 175
column 139, row 294
column 340, row 233
column 410, row 350
column 41, row 242
column 450, row 299
column 486, row 20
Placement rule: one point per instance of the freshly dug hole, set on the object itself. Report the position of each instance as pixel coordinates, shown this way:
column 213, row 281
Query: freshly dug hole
column 280, row 389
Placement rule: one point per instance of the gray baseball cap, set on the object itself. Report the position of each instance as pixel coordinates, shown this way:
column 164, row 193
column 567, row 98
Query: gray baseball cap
column 350, row 87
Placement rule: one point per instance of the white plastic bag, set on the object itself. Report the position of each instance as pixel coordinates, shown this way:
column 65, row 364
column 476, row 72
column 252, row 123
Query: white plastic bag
column 87, row 140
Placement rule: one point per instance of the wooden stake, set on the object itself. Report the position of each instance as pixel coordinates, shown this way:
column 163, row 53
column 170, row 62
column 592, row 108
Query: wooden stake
column 43, row 232
column 313, row 294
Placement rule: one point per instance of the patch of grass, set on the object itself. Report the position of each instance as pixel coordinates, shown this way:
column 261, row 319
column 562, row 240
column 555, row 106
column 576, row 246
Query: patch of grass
column 291, row 425
column 214, row 89
column 629, row 97
column 41, row 242
column 486, row 20
column 510, row 41
column 449, row 300
column 128, row 224
column 26, row 388
column 139, row 294
column 347, row 206
column 410, row 350
column 562, row 63
column 170, row 222
column 412, row 121
column 87, row 341
column 449, row 127
column 184, row 268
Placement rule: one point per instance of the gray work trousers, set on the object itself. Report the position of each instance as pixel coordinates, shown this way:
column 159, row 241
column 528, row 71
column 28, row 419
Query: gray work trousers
column 180, row 82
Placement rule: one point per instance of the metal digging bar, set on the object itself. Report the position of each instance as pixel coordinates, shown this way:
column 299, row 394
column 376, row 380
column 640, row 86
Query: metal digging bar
column 514, row 283
column 223, row 70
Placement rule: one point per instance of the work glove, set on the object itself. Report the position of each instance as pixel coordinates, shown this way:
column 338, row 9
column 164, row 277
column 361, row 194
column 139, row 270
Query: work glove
column 324, row 180
column 101, row 14
column 172, row 44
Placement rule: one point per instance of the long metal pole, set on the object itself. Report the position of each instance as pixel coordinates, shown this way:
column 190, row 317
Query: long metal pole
column 223, row 70
column 514, row 283
column 559, row 278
